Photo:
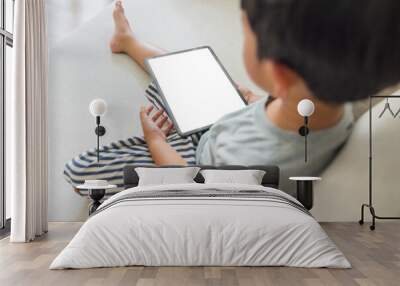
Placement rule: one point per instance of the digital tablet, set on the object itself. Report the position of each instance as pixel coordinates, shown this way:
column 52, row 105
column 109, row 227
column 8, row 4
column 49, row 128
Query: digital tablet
column 195, row 87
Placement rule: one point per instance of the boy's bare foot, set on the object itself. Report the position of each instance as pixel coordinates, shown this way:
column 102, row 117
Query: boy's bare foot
column 125, row 41
column 123, row 33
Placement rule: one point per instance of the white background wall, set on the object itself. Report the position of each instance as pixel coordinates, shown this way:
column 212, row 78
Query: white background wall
column 345, row 184
column 82, row 68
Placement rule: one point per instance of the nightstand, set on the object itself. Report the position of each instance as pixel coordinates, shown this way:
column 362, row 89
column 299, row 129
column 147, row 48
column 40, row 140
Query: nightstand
column 96, row 190
column 304, row 190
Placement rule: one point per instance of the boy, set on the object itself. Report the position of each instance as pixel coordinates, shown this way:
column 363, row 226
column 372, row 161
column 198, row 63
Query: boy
column 330, row 52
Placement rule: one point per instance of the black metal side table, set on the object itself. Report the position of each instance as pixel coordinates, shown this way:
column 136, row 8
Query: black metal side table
column 96, row 192
column 305, row 192
column 96, row 195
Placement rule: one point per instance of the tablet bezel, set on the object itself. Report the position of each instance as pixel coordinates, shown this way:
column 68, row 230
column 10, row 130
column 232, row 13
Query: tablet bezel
column 165, row 102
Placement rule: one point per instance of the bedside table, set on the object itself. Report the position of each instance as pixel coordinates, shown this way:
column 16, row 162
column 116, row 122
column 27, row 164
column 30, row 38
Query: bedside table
column 304, row 191
column 96, row 190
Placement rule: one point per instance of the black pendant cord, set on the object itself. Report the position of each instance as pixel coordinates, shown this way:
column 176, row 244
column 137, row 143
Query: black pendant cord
column 100, row 131
column 370, row 152
column 305, row 139
column 98, row 140
column 369, row 205
column 97, row 194
column 98, row 149
column 304, row 131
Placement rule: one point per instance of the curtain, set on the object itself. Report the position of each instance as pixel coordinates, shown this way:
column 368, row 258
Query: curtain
column 26, row 123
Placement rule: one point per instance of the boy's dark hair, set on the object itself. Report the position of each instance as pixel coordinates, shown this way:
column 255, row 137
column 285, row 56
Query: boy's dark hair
column 344, row 49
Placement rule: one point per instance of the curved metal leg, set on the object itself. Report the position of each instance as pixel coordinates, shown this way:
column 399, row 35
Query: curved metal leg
column 372, row 210
column 361, row 221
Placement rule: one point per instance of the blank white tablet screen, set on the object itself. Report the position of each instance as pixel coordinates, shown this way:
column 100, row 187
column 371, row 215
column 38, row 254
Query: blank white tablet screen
column 196, row 88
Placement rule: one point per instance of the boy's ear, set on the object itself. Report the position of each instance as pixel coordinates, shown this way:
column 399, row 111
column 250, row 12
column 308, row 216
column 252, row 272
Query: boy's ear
column 281, row 78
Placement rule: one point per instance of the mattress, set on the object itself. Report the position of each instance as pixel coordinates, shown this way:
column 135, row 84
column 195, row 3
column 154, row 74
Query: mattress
column 201, row 225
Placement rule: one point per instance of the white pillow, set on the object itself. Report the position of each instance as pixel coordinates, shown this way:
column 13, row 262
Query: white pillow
column 247, row 177
column 166, row 176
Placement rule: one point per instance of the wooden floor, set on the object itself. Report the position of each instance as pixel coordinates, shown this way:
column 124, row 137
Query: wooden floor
column 375, row 257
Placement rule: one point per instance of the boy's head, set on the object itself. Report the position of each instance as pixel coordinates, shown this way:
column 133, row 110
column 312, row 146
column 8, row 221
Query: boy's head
column 336, row 50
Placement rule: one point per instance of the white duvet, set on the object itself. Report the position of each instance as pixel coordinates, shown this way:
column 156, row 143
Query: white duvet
column 200, row 231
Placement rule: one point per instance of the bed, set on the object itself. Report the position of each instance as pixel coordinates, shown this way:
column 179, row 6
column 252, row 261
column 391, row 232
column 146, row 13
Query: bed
column 201, row 224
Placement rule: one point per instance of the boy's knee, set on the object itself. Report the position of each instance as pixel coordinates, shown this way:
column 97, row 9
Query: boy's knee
column 73, row 173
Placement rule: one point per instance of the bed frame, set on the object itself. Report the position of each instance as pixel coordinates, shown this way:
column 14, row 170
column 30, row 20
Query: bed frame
column 271, row 177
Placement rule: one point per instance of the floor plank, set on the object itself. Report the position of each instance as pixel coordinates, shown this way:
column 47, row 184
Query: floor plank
column 375, row 257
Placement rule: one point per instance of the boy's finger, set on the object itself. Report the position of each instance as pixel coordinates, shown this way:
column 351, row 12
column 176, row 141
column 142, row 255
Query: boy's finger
column 149, row 109
column 169, row 128
column 162, row 121
column 143, row 111
column 165, row 128
column 157, row 115
column 143, row 114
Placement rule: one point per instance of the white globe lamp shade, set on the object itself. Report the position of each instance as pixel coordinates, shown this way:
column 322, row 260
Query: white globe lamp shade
column 305, row 108
column 98, row 107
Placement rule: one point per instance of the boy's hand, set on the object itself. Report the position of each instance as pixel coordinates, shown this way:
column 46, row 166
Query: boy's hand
column 248, row 95
column 156, row 126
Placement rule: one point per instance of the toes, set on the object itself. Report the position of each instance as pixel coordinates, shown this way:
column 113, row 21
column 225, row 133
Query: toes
column 118, row 5
column 119, row 11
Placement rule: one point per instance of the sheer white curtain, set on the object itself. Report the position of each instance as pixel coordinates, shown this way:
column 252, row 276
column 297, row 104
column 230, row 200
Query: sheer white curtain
column 26, row 119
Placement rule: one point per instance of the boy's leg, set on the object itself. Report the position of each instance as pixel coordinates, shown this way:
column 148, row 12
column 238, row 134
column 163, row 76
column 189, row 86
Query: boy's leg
column 125, row 41
column 134, row 150
column 115, row 156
